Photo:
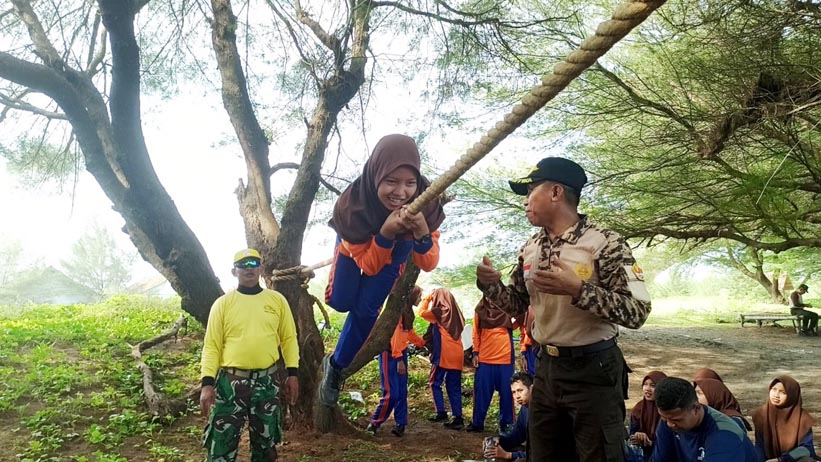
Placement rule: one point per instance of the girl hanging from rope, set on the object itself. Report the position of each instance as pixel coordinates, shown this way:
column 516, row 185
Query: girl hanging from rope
column 375, row 236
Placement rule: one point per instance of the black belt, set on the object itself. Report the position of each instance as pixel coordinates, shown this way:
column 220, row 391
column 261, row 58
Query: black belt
column 250, row 373
column 562, row 351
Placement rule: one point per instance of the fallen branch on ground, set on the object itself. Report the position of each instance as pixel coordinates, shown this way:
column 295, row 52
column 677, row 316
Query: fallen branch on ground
column 158, row 406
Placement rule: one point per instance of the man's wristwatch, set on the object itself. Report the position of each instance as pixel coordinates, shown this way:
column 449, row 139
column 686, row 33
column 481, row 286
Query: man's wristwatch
column 426, row 239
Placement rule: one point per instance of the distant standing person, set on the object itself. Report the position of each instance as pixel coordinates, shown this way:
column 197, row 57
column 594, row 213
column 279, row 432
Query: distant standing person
column 583, row 283
column 446, row 356
column 393, row 370
column 693, row 432
column 493, row 358
column 809, row 322
column 247, row 329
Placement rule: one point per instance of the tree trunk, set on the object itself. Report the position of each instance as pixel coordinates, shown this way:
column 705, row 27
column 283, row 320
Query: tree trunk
column 757, row 274
column 114, row 149
column 281, row 244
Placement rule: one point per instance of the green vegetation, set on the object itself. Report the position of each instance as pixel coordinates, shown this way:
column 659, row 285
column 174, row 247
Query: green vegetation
column 70, row 386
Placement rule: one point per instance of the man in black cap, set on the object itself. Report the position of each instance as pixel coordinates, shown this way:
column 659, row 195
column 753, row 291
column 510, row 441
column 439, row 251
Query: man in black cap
column 809, row 320
column 582, row 283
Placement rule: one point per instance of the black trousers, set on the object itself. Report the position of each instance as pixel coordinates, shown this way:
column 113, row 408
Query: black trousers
column 809, row 322
column 577, row 408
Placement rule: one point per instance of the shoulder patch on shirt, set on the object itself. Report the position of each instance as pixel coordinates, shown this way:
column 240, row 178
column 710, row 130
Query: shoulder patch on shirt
column 635, row 282
column 638, row 272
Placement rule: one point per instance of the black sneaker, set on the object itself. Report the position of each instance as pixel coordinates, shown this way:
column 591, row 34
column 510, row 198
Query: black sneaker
column 372, row 429
column 456, row 424
column 331, row 383
column 440, row 417
column 398, row 430
column 473, row 429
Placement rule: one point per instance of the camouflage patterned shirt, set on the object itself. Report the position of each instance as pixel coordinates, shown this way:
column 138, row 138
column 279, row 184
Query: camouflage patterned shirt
column 612, row 294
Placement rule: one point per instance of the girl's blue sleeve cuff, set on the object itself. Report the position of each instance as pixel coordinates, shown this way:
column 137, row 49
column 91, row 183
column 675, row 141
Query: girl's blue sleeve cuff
column 383, row 241
column 422, row 247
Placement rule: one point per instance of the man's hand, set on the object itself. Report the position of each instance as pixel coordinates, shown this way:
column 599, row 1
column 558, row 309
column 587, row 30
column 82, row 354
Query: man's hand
column 401, row 369
column 291, row 389
column 559, row 280
column 499, row 453
column 207, row 397
column 475, row 361
column 486, row 274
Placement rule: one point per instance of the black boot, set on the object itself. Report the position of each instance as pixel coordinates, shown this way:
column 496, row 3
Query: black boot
column 456, row 424
column 398, row 430
column 440, row 417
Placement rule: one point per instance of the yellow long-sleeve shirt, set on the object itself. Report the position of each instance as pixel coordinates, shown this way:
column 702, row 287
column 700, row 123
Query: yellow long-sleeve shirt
column 247, row 332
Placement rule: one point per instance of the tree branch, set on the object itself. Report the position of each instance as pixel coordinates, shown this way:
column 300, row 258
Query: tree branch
column 17, row 103
column 331, row 42
column 705, row 234
column 295, row 166
column 45, row 50
column 495, row 21
column 642, row 101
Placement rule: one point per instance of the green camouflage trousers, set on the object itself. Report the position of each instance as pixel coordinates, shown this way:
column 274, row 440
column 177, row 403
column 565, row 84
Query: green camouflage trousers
column 238, row 399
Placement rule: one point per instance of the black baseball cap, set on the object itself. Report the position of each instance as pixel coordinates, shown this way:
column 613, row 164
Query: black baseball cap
column 804, row 286
column 557, row 169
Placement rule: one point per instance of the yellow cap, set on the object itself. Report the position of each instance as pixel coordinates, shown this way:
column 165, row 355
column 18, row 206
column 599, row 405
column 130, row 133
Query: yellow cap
column 246, row 253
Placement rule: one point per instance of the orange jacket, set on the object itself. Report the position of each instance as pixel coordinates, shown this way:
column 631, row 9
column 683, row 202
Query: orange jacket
column 452, row 353
column 371, row 257
column 494, row 346
column 401, row 338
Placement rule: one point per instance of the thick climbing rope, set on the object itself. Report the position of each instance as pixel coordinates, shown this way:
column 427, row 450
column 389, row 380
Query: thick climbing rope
column 627, row 16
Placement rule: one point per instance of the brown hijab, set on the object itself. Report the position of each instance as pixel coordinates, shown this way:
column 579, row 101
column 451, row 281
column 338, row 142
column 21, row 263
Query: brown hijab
column 407, row 312
column 358, row 212
column 447, row 312
column 645, row 411
column 719, row 397
column 488, row 315
column 782, row 428
column 706, row 373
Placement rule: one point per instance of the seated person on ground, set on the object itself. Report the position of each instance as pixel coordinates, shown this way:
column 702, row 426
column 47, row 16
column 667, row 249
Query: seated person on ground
column 707, row 373
column 783, row 429
column 645, row 418
column 509, row 445
column 714, row 393
column 693, row 432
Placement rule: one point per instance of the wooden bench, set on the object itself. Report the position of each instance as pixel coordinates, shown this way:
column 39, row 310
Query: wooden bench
column 761, row 318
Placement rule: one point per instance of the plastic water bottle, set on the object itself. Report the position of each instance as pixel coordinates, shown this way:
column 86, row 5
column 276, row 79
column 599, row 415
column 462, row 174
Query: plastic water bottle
column 489, row 444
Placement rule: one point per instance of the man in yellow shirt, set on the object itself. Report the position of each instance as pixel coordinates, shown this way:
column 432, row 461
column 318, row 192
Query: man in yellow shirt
column 248, row 329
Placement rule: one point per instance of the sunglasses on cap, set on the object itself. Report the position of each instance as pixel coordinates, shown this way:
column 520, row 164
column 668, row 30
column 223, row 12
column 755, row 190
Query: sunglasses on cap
column 253, row 263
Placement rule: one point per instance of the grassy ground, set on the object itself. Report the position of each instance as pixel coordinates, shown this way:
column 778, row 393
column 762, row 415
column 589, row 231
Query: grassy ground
column 70, row 391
